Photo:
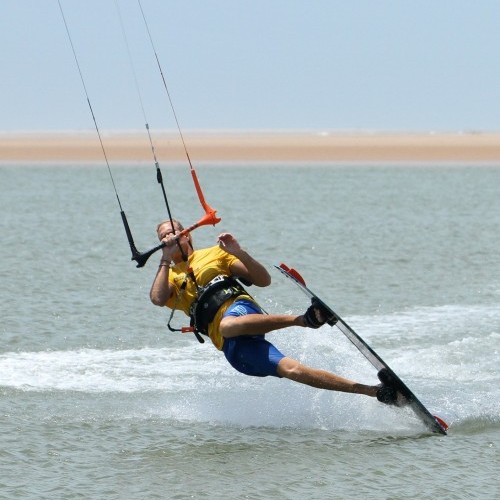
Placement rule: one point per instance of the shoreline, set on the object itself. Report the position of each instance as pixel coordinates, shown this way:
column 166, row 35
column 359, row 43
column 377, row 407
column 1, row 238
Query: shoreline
column 251, row 146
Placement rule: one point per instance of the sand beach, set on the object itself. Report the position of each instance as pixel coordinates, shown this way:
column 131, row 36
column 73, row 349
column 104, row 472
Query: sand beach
column 252, row 146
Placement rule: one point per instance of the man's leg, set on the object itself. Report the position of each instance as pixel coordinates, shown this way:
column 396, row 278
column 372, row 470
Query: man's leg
column 260, row 324
column 254, row 322
column 257, row 324
column 321, row 379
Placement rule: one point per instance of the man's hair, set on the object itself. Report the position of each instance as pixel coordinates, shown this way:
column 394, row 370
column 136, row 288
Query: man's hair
column 175, row 221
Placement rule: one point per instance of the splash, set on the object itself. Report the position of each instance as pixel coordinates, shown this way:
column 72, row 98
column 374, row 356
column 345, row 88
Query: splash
column 448, row 362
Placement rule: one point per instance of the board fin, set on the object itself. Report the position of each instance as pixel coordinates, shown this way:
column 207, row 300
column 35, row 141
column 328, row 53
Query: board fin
column 293, row 273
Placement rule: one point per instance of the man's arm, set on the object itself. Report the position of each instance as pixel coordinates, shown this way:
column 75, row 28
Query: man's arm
column 160, row 289
column 246, row 266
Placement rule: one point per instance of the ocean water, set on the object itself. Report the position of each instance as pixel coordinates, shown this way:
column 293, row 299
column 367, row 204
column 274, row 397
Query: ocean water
column 99, row 400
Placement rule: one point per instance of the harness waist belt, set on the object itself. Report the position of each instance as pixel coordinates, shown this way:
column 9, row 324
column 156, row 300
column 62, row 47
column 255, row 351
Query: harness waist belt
column 210, row 299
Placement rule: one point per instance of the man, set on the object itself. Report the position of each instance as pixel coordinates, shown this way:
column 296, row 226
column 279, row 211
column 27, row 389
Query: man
column 201, row 283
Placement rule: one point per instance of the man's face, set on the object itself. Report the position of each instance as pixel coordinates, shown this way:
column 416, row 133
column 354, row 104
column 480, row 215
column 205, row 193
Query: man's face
column 167, row 229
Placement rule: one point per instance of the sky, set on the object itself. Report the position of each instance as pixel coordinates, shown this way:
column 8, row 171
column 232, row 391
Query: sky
column 238, row 65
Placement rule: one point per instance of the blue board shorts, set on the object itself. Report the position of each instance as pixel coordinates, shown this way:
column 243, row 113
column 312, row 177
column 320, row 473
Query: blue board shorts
column 250, row 354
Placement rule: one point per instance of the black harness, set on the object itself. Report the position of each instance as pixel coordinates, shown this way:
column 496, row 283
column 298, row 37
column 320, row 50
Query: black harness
column 210, row 299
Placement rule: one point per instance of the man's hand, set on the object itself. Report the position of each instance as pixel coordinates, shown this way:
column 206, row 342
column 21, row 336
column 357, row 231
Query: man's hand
column 230, row 244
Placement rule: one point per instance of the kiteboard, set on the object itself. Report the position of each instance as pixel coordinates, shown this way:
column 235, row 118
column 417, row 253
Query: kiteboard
column 405, row 397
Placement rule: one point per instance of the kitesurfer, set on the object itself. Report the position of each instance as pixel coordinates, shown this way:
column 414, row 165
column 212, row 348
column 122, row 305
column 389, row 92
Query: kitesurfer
column 201, row 283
